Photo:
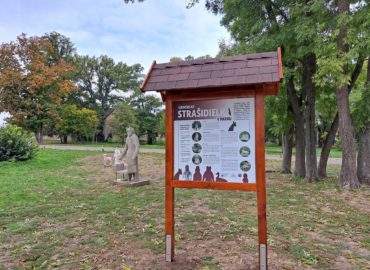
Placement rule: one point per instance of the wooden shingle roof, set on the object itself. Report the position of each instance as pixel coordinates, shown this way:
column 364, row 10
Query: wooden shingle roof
column 258, row 68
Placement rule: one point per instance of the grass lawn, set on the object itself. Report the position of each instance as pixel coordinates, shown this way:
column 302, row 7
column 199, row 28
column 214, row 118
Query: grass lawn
column 61, row 210
column 105, row 144
column 270, row 149
column 277, row 150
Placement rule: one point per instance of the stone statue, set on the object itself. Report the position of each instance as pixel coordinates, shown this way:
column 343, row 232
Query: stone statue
column 132, row 150
column 117, row 155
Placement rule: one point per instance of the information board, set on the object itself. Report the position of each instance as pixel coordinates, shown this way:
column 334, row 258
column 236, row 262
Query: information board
column 214, row 140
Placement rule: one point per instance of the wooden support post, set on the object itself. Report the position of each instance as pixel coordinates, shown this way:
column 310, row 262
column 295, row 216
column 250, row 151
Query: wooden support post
column 261, row 182
column 170, row 232
column 170, row 194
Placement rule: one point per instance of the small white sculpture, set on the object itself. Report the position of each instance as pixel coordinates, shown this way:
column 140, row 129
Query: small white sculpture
column 121, row 168
column 117, row 155
column 107, row 160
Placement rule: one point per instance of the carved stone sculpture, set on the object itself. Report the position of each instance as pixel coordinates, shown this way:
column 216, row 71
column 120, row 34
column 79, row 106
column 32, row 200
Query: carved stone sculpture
column 107, row 160
column 117, row 155
column 131, row 150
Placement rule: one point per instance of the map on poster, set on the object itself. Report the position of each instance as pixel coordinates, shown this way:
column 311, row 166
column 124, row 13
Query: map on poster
column 214, row 140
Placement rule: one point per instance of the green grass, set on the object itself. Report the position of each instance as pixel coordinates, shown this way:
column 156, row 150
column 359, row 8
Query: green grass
column 60, row 210
column 277, row 150
column 270, row 149
column 105, row 144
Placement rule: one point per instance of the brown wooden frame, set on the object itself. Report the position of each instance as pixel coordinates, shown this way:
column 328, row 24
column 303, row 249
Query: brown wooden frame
column 256, row 92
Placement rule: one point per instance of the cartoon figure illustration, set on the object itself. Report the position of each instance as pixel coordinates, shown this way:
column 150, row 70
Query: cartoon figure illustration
column 244, row 151
column 233, row 125
column 196, row 125
column 245, row 166
column 187, row 173
column 197, row 175
column 244, row 136
column 177, row 175
column 197, row 159
column 245, row 178
column 196, row 136
column 197, row 148
column 219, row 179
column 208, row 175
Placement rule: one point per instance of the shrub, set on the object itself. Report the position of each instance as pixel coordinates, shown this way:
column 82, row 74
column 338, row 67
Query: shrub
column 16, row 144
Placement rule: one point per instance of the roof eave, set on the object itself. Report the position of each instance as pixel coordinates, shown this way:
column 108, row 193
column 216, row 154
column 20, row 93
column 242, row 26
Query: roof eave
column 142, row 86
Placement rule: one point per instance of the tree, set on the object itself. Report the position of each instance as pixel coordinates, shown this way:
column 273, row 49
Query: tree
column 76, row 122
column 341, row 57
column 306, row 31
column 279, row 122
column 101, row 83
column 148, row 112
column 296, row 98
column 123, row 117
column 328, row 127
column 176, row 59
column 361, row 115
column 132, row 1
column 317, row 37
column 348, row 175
column 63, row 48
column 162, row 123
column 32, row 83
column 266, row 25
column 328, row 107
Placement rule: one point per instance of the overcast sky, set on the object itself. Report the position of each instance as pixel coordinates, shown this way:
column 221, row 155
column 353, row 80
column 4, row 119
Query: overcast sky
column 132, row 33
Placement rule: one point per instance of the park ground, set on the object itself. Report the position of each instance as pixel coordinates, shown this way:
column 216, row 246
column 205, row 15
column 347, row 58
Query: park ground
column 271, row 149
column 61, row 210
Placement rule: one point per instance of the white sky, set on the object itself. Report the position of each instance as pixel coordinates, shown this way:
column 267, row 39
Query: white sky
column 132, row 33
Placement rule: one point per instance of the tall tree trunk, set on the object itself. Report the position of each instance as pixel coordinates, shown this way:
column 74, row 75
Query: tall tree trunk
column 325, row 151
column 39, row 135
column 309, row 68
column 348, row 175
column 294, row 101
column 286, row 165
column 330, row 138
column 363, row 158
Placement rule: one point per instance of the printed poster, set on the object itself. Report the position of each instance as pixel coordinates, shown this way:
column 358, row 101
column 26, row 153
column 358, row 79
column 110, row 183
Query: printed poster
column 214, row 140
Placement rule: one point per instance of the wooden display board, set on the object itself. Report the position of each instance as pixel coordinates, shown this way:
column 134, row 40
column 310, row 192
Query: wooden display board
column 215, row 135
column 259, row 186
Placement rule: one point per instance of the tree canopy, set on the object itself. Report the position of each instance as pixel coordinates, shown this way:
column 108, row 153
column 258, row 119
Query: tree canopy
column 33, row 82
column 123, row 117
column 148, row 112
column 101, row 83
column 324, row 44
column 76, row 122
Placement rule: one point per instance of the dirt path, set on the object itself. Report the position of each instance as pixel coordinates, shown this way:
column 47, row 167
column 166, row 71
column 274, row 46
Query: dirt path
column 335, row 161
